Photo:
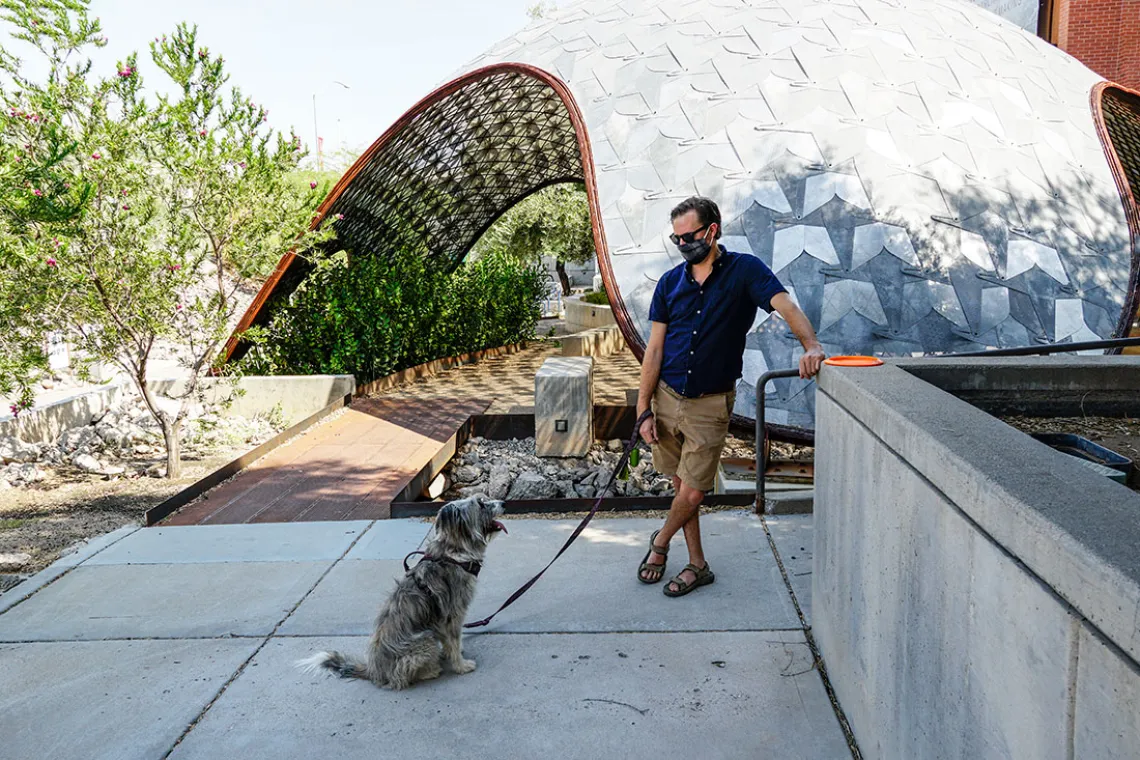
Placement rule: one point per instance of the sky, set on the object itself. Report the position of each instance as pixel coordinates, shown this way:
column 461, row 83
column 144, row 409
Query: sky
column 283, row 52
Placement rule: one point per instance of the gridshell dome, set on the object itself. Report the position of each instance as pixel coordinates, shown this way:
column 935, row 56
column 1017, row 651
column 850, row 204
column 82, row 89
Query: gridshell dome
column 923, row 176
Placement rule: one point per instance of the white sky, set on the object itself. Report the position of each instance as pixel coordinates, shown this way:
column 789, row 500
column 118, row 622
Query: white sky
column 390, row 53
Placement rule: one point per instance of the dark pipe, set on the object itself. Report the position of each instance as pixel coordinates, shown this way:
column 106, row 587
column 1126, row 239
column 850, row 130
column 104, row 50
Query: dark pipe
column 1049, row 348
column 762, row 433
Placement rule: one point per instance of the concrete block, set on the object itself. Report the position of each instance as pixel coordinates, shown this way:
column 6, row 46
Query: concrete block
column 274, row 542
column 108, row 699
column 564, row 407
column 601, row 341
column 586, row 316
column 1107, row 723
column 708, row 695
column 937, row 641
column 141, row 601
column 1074, row 529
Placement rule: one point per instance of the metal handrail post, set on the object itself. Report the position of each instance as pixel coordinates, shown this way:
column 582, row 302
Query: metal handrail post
column 761, row 430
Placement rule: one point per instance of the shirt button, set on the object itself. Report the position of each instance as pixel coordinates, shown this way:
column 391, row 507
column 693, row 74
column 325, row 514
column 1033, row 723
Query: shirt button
column 690, row 353
column 689, row 372
column 694, row 332
column 698, row 311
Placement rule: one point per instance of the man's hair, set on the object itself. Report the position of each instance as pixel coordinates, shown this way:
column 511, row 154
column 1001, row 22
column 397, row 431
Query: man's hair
column 706, row 209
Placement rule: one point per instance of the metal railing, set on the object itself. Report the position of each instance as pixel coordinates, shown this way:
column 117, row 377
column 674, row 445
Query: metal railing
column 767, row 377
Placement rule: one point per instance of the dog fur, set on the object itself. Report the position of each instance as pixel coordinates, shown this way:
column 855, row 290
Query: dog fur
column 420, row 628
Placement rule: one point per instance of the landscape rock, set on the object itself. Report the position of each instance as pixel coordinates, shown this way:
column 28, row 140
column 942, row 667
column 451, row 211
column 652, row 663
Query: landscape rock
column 532, row 486
column 12, row 449
column 13, row 562
column 466, row 473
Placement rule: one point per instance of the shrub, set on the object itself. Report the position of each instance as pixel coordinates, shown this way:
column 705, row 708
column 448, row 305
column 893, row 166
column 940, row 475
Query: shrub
column 381, row 314
column 597, row 297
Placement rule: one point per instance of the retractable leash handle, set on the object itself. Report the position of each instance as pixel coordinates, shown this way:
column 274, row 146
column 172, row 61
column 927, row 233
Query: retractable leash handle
column 581, row 526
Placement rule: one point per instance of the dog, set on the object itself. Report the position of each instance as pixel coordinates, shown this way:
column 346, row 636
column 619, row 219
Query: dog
column 420, row 628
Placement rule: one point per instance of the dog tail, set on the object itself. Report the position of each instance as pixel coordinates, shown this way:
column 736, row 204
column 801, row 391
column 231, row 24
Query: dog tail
column 343, row 665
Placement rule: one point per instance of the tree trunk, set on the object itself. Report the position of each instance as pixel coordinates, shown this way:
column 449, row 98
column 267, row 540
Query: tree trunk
column 562, row 276
column 173, row 454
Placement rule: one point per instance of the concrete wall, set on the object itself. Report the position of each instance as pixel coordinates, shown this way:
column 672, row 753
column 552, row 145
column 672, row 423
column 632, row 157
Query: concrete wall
column 582, row 316
column 974, row 593
column 298, row 395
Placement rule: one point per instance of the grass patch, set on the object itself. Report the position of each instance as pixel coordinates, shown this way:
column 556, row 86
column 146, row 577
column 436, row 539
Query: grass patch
column 11, row 524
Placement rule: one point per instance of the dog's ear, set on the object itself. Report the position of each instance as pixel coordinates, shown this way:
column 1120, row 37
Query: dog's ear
column 449, row 520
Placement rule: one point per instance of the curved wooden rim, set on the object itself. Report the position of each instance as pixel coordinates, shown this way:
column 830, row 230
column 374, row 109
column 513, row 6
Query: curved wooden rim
column 1131, row 210
column 621, row 314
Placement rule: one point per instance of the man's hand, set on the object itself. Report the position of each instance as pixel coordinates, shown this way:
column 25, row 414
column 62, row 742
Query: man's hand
column 811, row 361
column 649, row 429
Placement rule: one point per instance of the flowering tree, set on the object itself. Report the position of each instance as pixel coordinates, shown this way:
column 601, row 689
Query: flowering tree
column 183, row 199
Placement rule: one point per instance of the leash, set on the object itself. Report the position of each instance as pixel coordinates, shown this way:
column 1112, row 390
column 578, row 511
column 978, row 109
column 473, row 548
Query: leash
column 581, row 526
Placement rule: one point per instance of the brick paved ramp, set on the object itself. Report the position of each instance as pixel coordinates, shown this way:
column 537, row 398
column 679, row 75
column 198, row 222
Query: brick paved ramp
column 349, row 468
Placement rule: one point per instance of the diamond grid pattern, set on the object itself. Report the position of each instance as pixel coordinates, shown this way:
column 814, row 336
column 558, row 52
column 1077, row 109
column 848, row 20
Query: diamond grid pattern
column 456, row 166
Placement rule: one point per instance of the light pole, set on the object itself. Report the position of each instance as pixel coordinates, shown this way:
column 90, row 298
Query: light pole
column 316, row 132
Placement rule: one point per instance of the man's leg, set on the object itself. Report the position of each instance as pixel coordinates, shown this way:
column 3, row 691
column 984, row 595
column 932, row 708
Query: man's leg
column 682, row 512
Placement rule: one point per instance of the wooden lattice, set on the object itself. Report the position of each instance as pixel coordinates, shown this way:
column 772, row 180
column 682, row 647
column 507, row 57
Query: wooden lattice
column 458, row 165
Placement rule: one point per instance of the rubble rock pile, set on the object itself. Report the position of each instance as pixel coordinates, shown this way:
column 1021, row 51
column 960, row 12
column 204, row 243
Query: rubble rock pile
column 511, row 470
column 127, row 442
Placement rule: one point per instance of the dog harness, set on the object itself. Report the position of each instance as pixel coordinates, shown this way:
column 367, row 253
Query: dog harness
column 470, row 566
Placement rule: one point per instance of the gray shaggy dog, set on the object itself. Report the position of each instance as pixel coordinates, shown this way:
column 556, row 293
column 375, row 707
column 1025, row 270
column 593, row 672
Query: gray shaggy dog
column 421, row 626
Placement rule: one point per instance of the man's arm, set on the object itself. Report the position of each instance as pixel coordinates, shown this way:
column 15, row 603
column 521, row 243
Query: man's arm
column 650, row 373
column 813, row 352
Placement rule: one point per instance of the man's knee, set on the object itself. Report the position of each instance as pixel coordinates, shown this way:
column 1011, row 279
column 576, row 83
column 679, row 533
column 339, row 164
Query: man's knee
column 689, row 495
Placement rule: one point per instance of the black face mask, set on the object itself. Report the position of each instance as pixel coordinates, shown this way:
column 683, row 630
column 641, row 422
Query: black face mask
column 695, row 252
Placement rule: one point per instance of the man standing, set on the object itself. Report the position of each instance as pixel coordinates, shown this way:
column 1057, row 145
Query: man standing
column 701, row 313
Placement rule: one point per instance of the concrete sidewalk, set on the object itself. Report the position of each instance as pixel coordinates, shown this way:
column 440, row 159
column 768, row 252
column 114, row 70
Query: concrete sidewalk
column 180, row 642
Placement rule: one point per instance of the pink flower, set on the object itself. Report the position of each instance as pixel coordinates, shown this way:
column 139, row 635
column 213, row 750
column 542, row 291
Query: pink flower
column 202, row 133
column 52, row 263
column 126, row 207
column 15, row 410
column 126, row 72
column 338, row 217
column 55, row 241
column 241, row 164
column 38, row 193
column 66, row 185
column 173, row 267
column 96, row 156
column 312, row 185
column 201, row 53
column 124, row 193
column 178, row 307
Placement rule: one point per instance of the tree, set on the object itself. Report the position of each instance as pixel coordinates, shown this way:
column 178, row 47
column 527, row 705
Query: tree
column 39, row 189
column 553, row 222
column 187, row 199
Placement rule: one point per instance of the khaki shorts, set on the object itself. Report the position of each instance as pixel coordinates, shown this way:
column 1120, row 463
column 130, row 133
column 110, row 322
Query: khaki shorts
column 690, row 435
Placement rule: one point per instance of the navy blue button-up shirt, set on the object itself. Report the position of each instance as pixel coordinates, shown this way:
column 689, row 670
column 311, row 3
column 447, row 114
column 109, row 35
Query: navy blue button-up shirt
column 707, row 323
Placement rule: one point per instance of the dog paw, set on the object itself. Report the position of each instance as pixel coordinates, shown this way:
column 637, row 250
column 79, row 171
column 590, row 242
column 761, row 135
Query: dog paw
column 465, row 666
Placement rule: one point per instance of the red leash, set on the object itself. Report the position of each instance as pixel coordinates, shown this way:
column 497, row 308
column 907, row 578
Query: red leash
column 577, row 531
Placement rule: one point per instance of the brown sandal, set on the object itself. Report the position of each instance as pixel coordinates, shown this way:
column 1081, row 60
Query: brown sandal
column 704, row 577
column 653, row 566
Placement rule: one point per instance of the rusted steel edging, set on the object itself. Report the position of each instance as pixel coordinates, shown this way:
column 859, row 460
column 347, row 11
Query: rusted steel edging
column 548, row 506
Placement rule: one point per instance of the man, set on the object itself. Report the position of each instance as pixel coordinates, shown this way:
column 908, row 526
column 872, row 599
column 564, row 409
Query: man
column 701, row 313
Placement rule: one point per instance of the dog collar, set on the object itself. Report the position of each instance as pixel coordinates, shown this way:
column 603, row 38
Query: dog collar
column 470, row 566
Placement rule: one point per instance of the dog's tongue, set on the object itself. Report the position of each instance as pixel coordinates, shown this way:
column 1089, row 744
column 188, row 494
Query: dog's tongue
column 499, row 526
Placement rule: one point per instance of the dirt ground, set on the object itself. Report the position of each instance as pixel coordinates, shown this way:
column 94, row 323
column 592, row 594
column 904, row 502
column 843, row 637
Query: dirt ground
column 71, row 506
column 1120, row 434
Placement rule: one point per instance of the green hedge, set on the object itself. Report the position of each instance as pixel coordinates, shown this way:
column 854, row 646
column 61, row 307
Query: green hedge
column 383, row 314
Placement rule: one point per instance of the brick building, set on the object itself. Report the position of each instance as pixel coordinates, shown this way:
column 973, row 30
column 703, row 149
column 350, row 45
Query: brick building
column 1102, row 34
